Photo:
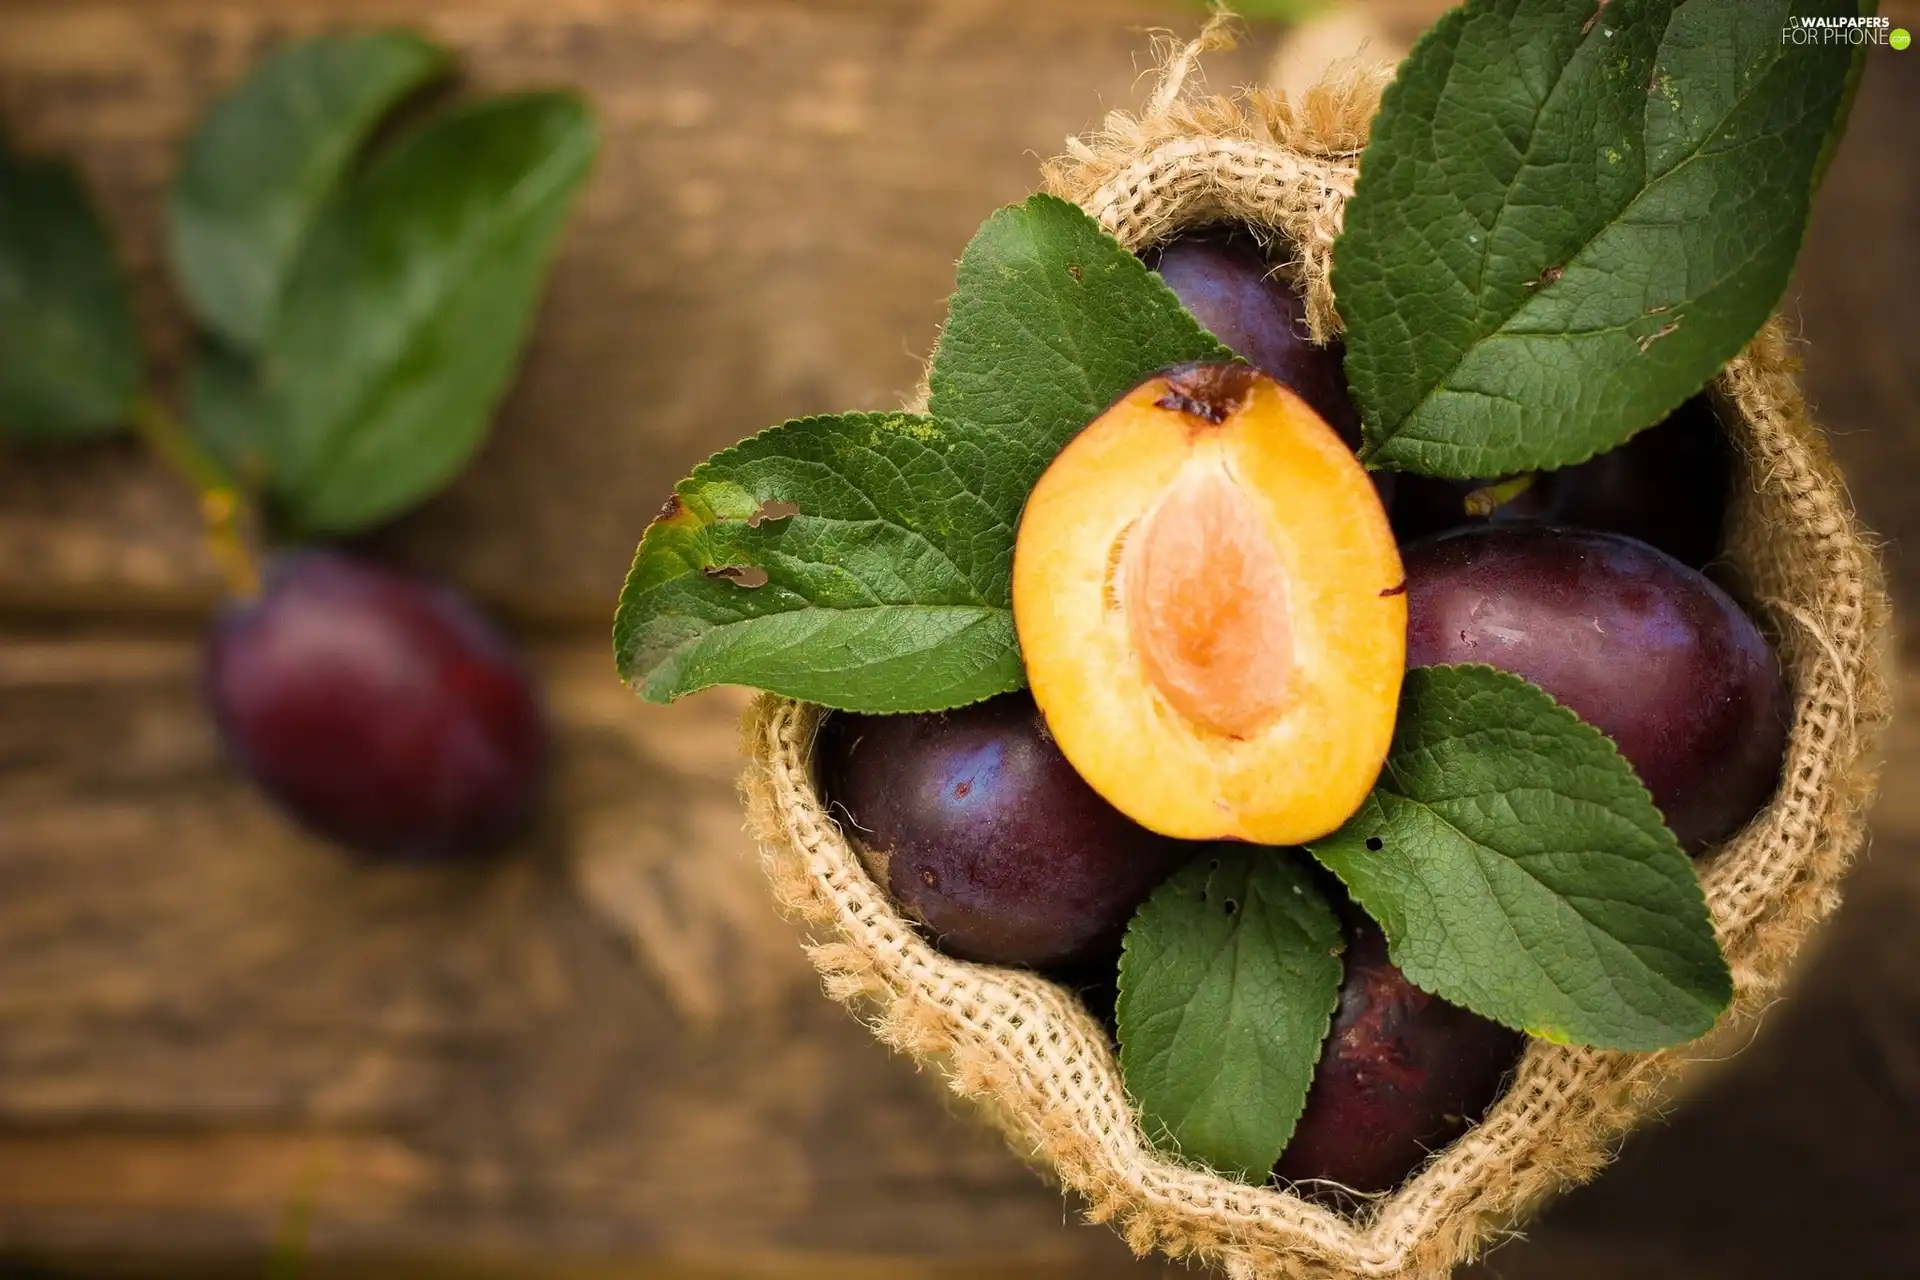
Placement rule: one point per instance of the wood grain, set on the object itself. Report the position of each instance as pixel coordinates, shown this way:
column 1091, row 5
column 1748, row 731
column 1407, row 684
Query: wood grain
column 771, row 232
column 1860, row 311
column 602, row 1055
column 206, row 1012
column 208, row 1017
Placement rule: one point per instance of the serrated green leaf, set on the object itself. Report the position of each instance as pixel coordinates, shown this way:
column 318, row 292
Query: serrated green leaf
column 1519, row 868
column 402, row 323
column 70, row 363
column 1227, row 986
column 1569, row 217
column 1051, row 321
column 891, row 589
column 885, row 573
column 265, row 159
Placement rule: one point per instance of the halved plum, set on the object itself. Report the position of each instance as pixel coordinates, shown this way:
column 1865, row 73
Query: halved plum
column 1211, row 610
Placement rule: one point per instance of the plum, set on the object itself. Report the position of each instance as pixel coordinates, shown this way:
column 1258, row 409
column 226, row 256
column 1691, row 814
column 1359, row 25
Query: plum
column 1402, row 1074
column 1644, row 648
column 1223, row 279
column 1668, row 486
column 380, row 710
column 1208, row 600
column 984, row 834
column 1096, row 982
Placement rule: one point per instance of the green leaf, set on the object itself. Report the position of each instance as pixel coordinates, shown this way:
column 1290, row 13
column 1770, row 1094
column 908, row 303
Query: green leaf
column 1227, row 986
column 1569, row 217
column 1051, row 321
column 223, row 409
column 885, row 579
column 891, row 589
column 403, row 320
column 1519, row 868
column 70, row 364
column 266, row 158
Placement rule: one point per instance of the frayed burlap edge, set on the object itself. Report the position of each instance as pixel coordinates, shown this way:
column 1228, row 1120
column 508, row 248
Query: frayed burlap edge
column 1041, row 1068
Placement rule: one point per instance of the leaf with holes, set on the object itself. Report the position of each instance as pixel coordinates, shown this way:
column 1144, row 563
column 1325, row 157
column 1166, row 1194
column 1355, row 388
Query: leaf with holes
column 1227, row 986
column 1519, row 868
column 864, row 561
column 844, row 560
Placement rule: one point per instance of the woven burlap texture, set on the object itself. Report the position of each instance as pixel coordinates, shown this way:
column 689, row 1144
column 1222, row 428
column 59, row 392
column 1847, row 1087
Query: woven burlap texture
column 1043, row 1071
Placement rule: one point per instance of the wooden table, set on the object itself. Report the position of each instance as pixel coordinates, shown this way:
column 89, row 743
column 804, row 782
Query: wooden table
column 604, row 1055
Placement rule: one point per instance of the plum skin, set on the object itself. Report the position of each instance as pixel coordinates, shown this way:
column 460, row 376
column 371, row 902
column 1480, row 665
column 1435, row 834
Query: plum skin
column 1668, row 486
column 1640, row 646
column 380, row 710
column 1403, row 1073
column 1224, row 281
column 984, row 834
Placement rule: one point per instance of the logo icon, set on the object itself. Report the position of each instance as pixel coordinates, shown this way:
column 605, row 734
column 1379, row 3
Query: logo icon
column 1899, row 38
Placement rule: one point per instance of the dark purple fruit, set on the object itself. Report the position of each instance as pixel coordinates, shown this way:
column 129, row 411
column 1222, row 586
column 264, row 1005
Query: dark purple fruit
column 382, row 711
column 1637, row 644
column 1403, row 1074
column 1096, row 981
column 983, row 832
column 1226, row 283
column 1668, row 487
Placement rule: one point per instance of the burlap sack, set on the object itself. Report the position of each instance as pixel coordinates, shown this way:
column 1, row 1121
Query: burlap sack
column 1042, row 1069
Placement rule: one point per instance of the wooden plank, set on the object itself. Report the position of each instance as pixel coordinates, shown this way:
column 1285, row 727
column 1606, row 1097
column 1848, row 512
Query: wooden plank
column 771, row 232
column 203, row 1009
column 206, row 1012
column 1860, row 311
column 732, row 1267
column 784, row 188
column 603, row 1055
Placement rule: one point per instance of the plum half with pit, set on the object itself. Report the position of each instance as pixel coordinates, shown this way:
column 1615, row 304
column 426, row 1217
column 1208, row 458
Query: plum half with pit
column 1645, row 649
column 1209, row 606
column 983, row 833
column 381, row 710
column 1403, row 1073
